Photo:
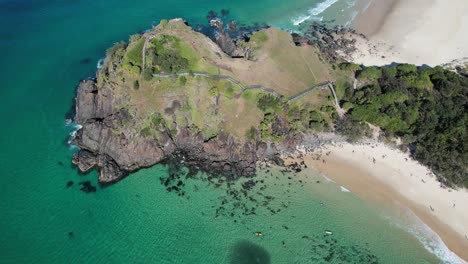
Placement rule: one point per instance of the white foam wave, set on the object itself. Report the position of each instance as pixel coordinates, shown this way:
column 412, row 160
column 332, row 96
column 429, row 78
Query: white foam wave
column 430, row 239
column 76, row 127
column 100, row 63
column 343, row 189
column 314, row 12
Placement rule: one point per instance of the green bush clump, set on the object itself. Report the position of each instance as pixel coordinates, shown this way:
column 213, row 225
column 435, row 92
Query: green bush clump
column 145, row 132
column 134, row 54
column 118, row 50
column 168, row 54
column 406, row 68
column 251, row 134
column 354, row 131
column 147, row 74
column 157, row 120
column 351, row 67
column 267, row 102
column 170, row 62
column 389, row 71
column 418, row 80
column 183, row 80
column 370, row 73
column 136, row 85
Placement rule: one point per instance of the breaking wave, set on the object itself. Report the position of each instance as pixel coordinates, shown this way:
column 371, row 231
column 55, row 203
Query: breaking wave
column 428, row 238
column 343, row 189
column 100, row 63
column 314, row 12
column 72, row 134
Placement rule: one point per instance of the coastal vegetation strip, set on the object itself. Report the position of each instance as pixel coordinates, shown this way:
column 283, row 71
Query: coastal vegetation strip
column 424, row 107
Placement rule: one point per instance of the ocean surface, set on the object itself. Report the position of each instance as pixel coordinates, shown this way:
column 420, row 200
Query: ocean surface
column 47, row 47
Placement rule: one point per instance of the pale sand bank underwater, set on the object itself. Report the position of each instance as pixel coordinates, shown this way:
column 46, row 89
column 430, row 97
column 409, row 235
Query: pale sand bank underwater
column 381, row 174
column 431, row 32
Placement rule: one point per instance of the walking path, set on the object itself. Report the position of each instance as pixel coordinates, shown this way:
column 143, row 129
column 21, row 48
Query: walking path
column 259, row 87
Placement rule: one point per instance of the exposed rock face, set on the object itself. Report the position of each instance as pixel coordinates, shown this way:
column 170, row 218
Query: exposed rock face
column 115, row 154
column 118, row 154
column 336, row 43
column 226, row 43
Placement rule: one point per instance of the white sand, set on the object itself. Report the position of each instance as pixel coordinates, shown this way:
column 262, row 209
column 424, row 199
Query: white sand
column 431, row 32
column 396, row 178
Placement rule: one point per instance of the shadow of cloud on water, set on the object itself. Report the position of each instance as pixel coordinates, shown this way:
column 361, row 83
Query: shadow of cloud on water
column 245, row 252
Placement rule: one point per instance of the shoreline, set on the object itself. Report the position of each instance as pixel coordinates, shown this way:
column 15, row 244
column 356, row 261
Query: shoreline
column 382, row 175
column 413, row 31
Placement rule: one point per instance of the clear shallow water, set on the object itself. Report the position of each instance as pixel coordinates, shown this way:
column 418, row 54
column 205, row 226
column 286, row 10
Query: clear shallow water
column 48, row 46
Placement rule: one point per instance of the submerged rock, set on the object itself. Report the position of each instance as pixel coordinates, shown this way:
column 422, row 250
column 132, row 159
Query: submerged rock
column 87, row 187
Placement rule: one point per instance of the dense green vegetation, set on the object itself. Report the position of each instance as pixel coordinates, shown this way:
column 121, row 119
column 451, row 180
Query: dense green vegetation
column 133, row 56
column 282, row 119
column 427, row 108
column 167, row 54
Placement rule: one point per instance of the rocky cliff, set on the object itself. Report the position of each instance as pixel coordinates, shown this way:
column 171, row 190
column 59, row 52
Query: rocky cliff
column 118, row 154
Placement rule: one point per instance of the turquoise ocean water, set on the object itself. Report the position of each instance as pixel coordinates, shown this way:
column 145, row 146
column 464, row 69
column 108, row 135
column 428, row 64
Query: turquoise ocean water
column 47, row 47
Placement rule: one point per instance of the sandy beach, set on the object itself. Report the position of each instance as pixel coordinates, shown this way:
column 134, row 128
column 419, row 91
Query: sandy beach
column 431, row 32
column 379, row 173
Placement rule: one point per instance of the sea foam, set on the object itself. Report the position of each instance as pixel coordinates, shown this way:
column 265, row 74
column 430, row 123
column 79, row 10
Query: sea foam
column 72, row 136
column 428, row 238
column 314, row 12
column 100, row 63
column 343, row 189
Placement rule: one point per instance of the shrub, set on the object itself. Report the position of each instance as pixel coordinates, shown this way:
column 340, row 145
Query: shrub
column 353, row 130
column 416, row 80
column 136, row 85
column 268, row 101
column 347, row 106
column 370, row 73
column 157, row 120
column 214, row 91
column 351, row 67
column 147, row 74
column 146, row 132
column 135, row 38
column 389, row 71
column 134, row 53
column 183, row 80
column 251, row 134
column 406, row 68
column 171, row 62
column 117, row 50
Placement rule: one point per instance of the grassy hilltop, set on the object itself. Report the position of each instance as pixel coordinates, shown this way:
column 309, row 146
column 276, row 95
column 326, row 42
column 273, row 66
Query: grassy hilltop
column 165, row 87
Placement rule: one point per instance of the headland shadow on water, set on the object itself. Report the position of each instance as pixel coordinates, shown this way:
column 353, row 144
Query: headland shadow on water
column 246, row 252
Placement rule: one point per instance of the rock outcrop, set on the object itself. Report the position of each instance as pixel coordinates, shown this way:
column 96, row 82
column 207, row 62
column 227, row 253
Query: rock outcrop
column 226, row 43
column 118, row 154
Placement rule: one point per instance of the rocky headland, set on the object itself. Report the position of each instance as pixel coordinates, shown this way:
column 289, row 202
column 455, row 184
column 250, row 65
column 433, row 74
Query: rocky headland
column 172, row 92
